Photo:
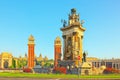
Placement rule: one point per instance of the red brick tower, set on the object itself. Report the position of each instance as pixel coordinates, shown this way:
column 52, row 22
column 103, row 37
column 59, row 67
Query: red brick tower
column 31, row 55
column 57, row 51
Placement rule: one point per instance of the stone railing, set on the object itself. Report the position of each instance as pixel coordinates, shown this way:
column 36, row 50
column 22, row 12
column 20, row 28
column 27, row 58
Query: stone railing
column 12, row 70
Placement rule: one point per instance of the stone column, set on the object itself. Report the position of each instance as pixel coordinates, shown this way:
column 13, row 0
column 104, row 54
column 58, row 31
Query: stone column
column 112, row 64
column 105, row 63
column 99, row 64
column 96, row 64
column 93, row 64
column 2, row 62
column 9, row 61
column 115, row 65
column 64, row 46
column 75, row 44
column 73, row 50
column 80, row 52
column 119, row 66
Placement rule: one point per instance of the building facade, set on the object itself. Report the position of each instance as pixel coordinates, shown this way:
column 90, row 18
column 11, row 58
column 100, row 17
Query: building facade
column 5, row 60
column 40, row 58
column 111, row 63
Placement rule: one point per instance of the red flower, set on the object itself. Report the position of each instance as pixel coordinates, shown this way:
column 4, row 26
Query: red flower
column 27, row 70
column 61, row 70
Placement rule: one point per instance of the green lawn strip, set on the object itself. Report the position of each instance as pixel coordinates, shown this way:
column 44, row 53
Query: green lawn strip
column 30, row 75
column 68, row 76
column 102, row 76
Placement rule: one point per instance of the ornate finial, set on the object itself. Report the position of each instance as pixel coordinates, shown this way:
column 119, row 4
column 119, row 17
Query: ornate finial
column 58, row 38
column 31, row 38
column 57, row 41
column 40, row 55
column 73, row 11
column 82, row 21
column 64, row 23
column 25, row 54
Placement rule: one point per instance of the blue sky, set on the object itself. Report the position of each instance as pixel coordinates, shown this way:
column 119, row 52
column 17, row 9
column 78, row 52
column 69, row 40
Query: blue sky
column 42, row 18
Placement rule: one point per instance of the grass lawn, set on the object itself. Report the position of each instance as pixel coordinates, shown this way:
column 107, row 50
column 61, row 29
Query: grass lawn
column 30, row 75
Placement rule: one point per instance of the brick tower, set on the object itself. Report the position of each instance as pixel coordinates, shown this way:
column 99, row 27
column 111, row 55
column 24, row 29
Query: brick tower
column 31, row 55
column 57, row 51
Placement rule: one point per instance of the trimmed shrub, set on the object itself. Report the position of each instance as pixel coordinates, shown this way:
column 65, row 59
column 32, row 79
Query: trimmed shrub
column 109, row 70
column 27, row 70
column 60, row 70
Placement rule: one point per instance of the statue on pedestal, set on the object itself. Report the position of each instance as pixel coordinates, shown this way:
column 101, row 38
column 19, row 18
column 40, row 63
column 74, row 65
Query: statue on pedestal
column 84, row 57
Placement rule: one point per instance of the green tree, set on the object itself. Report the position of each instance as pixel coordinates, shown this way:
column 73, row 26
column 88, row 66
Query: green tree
column 22, row 63
column 14, row 63
column 47, row 65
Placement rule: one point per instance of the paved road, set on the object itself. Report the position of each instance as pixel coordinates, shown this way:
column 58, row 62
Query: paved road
column 50, row 79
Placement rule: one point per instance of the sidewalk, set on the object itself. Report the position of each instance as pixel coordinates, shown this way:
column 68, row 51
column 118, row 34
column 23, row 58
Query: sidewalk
column 50, row 79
